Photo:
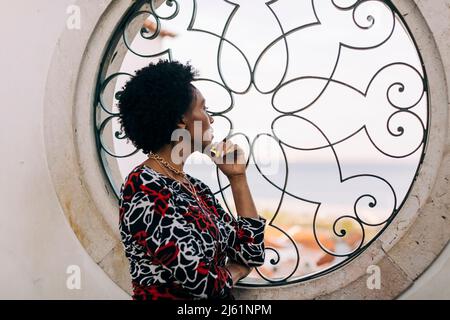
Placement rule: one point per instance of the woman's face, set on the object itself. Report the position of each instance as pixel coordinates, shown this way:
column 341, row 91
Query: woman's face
column 198, row 121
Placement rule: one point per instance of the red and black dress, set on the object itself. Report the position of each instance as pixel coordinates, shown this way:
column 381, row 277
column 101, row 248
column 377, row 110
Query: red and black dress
column 174, row 249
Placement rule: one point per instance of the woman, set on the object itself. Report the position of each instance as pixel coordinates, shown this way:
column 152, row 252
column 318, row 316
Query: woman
column 180, row 242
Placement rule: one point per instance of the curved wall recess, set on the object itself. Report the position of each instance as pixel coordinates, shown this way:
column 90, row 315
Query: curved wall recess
column 89, row 203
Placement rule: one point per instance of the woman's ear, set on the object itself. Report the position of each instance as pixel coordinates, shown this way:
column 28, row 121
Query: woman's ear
column 182, row 123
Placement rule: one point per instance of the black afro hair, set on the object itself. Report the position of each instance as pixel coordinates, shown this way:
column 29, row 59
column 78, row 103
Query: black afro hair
column 153, row 101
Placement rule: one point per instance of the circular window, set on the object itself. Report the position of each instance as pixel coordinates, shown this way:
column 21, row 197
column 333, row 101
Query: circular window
column 329, row 99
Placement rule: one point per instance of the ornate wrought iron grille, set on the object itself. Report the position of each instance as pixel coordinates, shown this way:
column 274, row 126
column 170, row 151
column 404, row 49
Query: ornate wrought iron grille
column 339, row 60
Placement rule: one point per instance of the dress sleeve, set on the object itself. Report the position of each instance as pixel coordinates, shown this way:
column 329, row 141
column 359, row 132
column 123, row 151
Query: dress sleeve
column 246, row 236
column 157, row 225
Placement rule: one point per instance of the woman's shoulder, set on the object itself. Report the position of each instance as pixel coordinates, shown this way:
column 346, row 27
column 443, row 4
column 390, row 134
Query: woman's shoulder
column 145, row 177
column 142, row 178
column 199, row 184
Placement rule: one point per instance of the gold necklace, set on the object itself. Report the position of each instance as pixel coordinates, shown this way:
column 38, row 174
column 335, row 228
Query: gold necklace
column 190, row 187
column 166, row 164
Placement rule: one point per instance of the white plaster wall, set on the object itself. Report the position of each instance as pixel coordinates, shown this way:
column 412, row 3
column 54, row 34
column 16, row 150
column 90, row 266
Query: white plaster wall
column 435, row 282
column 36, row 241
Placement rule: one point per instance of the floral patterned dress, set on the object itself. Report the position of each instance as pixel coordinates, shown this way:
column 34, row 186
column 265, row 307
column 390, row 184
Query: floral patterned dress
column 175, row 250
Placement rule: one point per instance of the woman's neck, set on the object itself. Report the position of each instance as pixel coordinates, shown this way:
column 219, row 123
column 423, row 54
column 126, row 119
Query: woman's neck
column 178, row 162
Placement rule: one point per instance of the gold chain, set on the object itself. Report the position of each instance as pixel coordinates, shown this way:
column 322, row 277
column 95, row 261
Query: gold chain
column 166, row 164
column 190, row 186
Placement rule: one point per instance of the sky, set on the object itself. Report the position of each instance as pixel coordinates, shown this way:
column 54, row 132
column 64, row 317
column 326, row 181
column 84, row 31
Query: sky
column 339, row 112
column 357, row 97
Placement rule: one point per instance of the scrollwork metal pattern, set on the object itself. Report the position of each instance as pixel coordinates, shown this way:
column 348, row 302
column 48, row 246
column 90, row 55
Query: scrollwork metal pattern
column 402, row 85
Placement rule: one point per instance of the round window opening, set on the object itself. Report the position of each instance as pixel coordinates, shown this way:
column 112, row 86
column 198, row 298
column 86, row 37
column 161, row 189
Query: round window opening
column 328, row 99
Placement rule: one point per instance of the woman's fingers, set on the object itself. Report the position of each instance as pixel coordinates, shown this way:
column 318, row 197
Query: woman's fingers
column 221, row 148
column 229, row 146
column 229, row 149
column 226, row 150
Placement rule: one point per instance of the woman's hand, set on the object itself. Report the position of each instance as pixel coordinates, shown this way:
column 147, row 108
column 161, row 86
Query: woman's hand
column 238, row 271
column 229, row 157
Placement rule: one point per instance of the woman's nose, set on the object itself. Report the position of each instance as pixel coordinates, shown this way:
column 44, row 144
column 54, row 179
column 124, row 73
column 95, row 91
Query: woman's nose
column 211, row 119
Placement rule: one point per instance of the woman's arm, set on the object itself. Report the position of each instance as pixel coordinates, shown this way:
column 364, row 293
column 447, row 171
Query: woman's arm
column 245, row 206
column 246, row 234
column 230, row 159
